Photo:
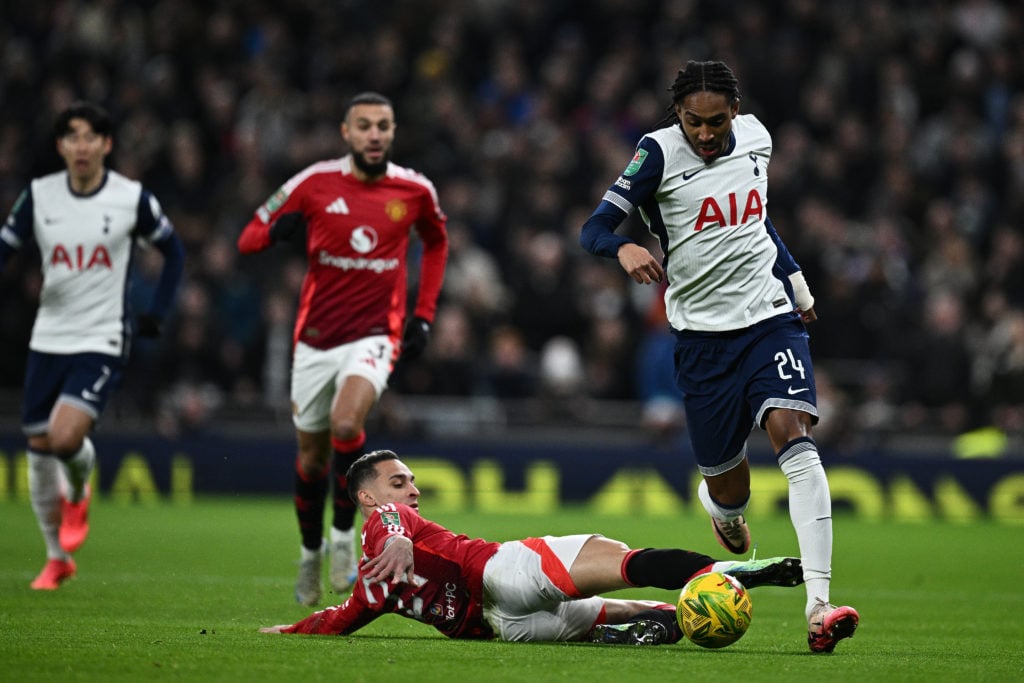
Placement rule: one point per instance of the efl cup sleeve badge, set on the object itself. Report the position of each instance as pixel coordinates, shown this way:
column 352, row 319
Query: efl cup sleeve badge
column 636, row 162
column 391, row 521
column 396, row 210
column 275, row 202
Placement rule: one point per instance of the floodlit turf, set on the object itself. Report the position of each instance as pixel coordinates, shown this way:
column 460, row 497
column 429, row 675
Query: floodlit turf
column 170, row 592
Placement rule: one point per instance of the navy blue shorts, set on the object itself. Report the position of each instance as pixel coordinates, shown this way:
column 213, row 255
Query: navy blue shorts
column 730, row 380
column 85, row 380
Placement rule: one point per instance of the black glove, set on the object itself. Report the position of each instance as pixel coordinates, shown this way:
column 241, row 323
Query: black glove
column 417, row 334
column 147, row 325
column 285, row 227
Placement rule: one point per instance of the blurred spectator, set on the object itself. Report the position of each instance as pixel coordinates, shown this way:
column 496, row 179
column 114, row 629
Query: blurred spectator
column 510, row 368
column 473, row 279
column 448, row 366
column 937, row 386
column 546, row 301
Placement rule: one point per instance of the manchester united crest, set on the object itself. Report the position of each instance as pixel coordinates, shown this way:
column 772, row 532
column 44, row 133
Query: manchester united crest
column 396, row 209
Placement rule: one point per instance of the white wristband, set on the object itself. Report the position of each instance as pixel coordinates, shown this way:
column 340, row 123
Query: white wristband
column 801, row 292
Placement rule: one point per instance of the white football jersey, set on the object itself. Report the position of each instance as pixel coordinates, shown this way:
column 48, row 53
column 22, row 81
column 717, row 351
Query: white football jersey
column 85, row 245
column 710, row 220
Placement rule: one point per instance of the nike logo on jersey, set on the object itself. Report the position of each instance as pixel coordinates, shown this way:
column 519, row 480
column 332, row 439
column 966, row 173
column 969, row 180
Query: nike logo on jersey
column 337, row 206
column 90, row 396
column 689, row 174
column 791, row 391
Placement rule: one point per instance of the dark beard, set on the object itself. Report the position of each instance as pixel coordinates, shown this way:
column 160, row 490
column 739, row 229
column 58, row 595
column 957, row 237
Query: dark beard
column 372, row 170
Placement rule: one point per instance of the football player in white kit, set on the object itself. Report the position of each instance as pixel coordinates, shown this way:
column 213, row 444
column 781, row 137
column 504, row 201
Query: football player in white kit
column 84, row 221
column 737, row 303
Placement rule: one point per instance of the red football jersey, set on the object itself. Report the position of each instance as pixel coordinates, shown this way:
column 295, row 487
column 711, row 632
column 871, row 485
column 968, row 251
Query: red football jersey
column 448, row 588
column 357, row 239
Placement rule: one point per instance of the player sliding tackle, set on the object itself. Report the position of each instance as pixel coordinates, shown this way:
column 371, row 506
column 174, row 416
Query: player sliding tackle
column 534, row 589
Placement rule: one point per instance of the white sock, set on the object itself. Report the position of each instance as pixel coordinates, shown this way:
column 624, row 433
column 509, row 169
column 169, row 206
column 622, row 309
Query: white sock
column 44, row 491
column 342, row 535
column 810, row 509
column 78, row 468
column 716, row 509
column 308, row 554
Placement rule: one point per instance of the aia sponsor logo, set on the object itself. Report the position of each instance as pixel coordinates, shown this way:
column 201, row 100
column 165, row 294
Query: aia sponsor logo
column 729, row 213
column 80, row 257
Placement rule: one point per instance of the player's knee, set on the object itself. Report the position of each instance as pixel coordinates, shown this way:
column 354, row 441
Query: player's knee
column 784, row 425
column 65, row 444
column 64, row 439
column 727, row 490
column 346, row 429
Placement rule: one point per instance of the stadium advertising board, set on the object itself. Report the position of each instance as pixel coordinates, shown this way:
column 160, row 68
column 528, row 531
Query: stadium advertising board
column 536, row 478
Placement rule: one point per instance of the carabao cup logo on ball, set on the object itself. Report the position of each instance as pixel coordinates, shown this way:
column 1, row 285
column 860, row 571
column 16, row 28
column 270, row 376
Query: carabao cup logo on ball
column 714, row 610
column 364, row 239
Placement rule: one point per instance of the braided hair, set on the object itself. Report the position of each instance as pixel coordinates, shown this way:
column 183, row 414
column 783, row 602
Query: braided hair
column 701, row 77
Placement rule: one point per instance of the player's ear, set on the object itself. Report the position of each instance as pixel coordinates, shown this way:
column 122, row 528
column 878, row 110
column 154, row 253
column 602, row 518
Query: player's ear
column 366, row 498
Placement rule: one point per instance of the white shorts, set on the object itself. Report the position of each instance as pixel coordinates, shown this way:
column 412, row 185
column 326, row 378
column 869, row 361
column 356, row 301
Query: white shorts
column 528, row 594
column 317, row 375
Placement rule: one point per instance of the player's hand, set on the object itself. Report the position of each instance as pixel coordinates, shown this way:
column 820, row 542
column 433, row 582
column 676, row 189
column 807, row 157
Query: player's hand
column 274, row 629
column 417, row 334
column 285, row 227
column 393, row 565
column 808, row 316
column 639, row 264
column 148, row 325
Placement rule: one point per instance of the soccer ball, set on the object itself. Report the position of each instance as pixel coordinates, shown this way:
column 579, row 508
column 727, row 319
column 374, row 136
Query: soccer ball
column 714, row 610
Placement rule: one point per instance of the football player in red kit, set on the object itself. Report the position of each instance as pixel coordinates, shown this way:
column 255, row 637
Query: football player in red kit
column 358, row 212
column 536, row 589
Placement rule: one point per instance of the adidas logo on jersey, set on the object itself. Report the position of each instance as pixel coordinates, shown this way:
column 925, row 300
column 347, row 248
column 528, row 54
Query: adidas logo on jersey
column 337, row 206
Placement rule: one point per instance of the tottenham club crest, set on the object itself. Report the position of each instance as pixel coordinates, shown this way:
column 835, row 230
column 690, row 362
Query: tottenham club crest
column 364, row 239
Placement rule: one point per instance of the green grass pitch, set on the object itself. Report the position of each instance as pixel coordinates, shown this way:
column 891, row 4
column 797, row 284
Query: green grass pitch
column 177, row 593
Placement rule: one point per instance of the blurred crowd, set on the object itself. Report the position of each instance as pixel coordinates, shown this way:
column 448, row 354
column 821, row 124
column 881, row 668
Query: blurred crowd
column 897, row 180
